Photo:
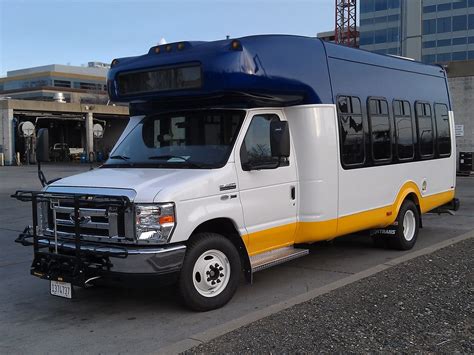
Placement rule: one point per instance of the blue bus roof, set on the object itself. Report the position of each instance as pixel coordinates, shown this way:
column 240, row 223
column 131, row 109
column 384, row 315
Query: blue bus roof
column 263, row 70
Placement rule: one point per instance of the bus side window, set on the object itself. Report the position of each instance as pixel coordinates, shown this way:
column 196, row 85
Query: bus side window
column 442, row 130
column 403, row 130
column 425, row 130
column 351, row 131
column 379, row 123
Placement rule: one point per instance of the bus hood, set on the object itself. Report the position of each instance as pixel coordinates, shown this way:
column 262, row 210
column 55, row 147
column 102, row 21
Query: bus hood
column 171, row 184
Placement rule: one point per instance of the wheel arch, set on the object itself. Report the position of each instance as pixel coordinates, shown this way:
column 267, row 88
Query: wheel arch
column 409, row 191
column 227, row 227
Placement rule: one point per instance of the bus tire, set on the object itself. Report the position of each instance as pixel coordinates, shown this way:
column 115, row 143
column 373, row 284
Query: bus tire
column 407, row 229
column 210, row 273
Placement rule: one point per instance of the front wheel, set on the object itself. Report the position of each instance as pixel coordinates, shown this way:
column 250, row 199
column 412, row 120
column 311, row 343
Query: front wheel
column 408, row 225
column 211, row 272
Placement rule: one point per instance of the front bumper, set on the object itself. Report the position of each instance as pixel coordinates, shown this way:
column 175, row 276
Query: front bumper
column 64, row 261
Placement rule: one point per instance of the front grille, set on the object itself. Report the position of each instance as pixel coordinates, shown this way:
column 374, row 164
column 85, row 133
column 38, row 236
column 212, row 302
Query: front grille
column 105, row 224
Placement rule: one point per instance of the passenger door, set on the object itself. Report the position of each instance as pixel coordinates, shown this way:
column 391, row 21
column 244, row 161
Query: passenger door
column 268, row 196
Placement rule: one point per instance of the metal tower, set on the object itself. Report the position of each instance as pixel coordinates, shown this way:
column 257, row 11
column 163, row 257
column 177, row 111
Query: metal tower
column 346, row 23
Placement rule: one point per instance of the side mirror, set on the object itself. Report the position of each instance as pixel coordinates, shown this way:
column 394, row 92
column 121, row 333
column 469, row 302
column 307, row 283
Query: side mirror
column 42, row 145
column 280, row 139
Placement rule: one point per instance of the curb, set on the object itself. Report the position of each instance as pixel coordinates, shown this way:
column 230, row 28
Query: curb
column 202, row 337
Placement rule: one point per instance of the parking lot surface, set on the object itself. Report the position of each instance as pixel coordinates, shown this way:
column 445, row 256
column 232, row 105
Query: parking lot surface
column 145, row 320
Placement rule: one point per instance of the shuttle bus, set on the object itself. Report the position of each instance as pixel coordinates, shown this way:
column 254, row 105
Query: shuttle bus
column 237, row 154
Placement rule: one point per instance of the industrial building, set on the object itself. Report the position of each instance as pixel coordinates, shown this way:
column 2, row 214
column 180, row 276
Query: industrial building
column 68, row 100
column 76, row 84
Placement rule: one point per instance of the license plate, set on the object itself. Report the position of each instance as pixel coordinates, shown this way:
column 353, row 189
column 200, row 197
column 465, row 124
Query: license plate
column 61, row 289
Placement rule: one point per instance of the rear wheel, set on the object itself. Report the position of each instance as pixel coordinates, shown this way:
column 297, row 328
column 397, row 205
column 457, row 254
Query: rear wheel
column 210, row 273
column 407, row 229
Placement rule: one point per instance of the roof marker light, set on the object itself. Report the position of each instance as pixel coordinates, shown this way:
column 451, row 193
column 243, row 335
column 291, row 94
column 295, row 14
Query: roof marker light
column 157, row 50
column 169, row 48
column 236, row 45
column 180, row 46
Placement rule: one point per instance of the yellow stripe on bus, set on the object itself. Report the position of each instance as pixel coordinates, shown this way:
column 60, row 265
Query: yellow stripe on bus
column 307, row 232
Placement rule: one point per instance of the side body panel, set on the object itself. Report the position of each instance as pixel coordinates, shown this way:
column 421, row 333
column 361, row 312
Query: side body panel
column 313, row 130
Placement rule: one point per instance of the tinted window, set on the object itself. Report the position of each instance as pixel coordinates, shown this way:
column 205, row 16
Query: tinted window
column 351, row 130
column 429, row 27
column 257, row 140
column 442, row 130
column 425, row 129
column 444, row 24
column 459, row 23
column 380, row 129
column 403, row 130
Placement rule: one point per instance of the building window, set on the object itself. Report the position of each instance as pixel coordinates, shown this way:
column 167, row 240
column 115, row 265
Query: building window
column 366, row 38
column 62, row 83
column 428, row 59
column 459, row 41
column 442, row 130
column 367, row 21
column 444, row 24
column 471, row 55
column 444, row 7
column 393, row 4
column 443, row 43
column 459, row 4
column 443, row 57
column 351, row 130
column 459, row 23
column 429, row 9
column 425, row 129
column 429, row 26
column 379, row 123
column 403, row 130
column 459, row 56
column 471, row 22
column 429, row 44
column 392, row 34
column 471, row 39
column 367, row 6
column 380, row 5
column 381, row 19
column 380, row 36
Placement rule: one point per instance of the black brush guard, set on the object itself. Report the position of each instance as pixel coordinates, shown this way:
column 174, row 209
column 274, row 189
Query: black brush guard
column 70, row 261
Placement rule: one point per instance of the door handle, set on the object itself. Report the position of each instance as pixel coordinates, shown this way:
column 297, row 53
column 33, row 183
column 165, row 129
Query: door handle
column 293, row 192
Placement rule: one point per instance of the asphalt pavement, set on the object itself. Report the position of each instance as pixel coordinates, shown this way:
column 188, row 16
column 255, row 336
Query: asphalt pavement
column 111, row 320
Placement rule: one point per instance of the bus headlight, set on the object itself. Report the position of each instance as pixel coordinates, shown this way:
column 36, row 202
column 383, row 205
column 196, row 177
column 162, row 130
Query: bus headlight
column 155, row 223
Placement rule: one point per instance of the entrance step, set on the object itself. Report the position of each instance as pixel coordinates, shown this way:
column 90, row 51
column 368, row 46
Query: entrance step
column 274, row 257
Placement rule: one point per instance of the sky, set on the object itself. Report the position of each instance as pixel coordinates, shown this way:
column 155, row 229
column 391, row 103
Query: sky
column 40, row 32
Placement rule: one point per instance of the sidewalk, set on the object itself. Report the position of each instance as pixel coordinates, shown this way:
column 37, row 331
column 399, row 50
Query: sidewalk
column 423, row 305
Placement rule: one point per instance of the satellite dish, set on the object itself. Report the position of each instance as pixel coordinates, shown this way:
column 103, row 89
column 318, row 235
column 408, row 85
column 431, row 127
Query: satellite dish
column 27, row 128
column 98, row 130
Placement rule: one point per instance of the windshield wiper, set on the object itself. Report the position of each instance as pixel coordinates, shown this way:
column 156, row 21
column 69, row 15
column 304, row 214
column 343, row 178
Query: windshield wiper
column 164, row 157
column 121, row 157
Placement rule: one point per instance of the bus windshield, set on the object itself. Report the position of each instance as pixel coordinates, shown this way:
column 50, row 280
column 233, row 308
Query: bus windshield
column 200, row 139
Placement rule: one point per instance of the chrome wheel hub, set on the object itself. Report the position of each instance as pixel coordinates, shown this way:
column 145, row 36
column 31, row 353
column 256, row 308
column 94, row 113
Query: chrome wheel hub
column 211, row 273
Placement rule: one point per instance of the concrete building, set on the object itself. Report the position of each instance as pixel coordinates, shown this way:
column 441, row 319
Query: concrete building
column 70, row 124
column 461, row 85
column 73, row 83
column 432, row 31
